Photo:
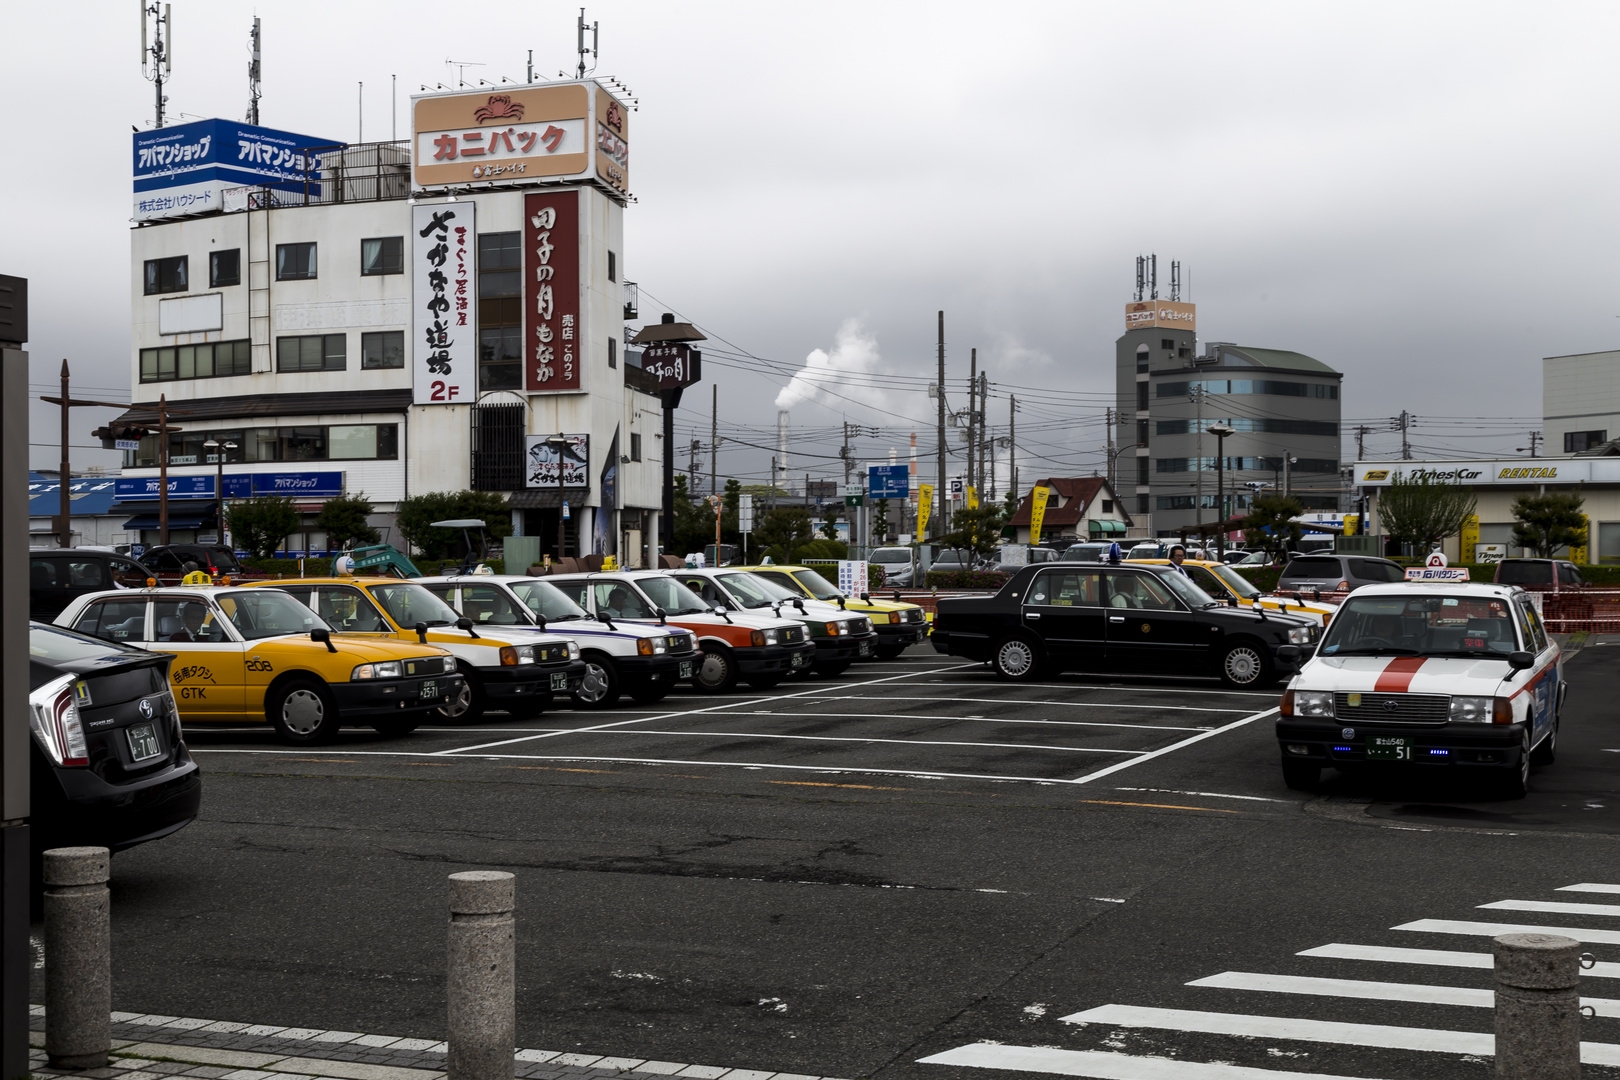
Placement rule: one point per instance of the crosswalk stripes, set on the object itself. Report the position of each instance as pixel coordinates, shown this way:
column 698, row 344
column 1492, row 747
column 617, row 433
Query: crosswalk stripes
column 1440, row 1039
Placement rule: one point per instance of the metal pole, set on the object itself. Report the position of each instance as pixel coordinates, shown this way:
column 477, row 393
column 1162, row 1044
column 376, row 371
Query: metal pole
column 562, row 522
column 941, row 489
column 163, row 468
column 1220, row 494
column 666, row 527
column 1012, row 437
column 972, row 427
column 64, row 523
column 482, row 963
column 714, row 447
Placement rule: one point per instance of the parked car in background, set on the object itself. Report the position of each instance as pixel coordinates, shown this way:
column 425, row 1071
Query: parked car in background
column 1228, row 586
column 1092, row 551
column 57, row 576
column 951, row 562
column 899, row 565
column 1539, row 574
column 1151, row 550
column 169, row 562
column 1237, row 556
column 841, row 637
column 898, row 624
column 109, row 767
column 1336, row 573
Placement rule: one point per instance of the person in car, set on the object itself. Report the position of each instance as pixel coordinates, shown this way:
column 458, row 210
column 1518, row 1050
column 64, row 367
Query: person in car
column 618, row 601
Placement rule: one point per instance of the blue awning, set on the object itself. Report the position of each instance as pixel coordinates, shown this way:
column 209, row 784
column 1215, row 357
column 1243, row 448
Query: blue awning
column 188, row 520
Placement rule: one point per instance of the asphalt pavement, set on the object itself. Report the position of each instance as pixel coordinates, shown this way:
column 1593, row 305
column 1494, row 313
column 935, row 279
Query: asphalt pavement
column 913, row 871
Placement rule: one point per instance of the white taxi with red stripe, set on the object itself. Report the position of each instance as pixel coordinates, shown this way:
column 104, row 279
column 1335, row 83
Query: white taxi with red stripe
column 1426, row 675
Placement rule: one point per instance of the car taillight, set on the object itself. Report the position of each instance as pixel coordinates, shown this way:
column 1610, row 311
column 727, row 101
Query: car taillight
column 1344, row 586
column 1502, row 711
column 54, row 717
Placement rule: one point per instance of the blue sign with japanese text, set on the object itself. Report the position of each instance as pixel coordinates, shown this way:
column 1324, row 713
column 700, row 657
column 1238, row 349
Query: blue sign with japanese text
column 888, row 481
column 183, row 169
column 237, row 486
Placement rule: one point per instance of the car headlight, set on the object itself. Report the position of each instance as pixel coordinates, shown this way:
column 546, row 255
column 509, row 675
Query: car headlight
column 513, row 655
column 647, row 646
column 1299, row 635
column 573, row 650
column 387, row 669
column 765, row 637
column 835, row 628
column 1316, row 703
column 1481, row 710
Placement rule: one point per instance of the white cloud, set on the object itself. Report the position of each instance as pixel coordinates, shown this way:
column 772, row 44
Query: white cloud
column 854, row 352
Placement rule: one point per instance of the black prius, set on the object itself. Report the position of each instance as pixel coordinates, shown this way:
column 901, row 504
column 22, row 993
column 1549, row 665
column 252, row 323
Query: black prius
column 1053, row 617
column 109, row 766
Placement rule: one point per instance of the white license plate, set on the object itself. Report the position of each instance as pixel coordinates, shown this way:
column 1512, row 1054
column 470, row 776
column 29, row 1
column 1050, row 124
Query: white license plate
column 686, row 669
column 864, row 649
column 143, row 742
column 559, row 680
column 430, row 690
column 797, row 661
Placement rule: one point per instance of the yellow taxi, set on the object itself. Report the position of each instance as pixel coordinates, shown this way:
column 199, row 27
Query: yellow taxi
column 502, row 667
column 256, row 655
column 1224, row 583
column 897, row 623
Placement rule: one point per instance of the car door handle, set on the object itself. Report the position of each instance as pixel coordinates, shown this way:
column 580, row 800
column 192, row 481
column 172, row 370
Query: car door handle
column 1032, row 615
column 1116, row 618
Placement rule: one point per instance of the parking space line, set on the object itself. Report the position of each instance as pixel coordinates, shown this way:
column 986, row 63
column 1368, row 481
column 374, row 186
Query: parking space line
column 1061, row 704
column 683, row 712
column 929, row 774
column 1172, row 748
column 1113, row 686
column 866, row 739
column 977, row 719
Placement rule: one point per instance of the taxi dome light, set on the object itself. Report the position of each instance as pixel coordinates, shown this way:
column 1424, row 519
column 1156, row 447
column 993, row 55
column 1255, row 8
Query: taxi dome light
column 151, row 583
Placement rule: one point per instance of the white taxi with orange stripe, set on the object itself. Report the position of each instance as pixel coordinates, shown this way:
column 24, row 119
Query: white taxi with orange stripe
column 1427, row 674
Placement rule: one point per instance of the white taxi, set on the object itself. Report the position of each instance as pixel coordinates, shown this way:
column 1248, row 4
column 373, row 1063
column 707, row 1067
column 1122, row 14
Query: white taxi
column 1427, row 675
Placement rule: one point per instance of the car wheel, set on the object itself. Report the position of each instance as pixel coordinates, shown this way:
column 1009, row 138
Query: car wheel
column 765, row 682
column 302, row 712
column 649, row 693
column 600, row 687
column 1017, row 658
column 1246, row 665
column 889, row 652
column 467, row 707
column 1301, row 775
column 394, row 729
column 1546, row 752
column 717, row 671
column 1516, row 779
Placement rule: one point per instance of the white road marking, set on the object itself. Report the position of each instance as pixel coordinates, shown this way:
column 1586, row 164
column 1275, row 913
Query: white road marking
column 1393, row 955
column 929, row 774
column 1591, row 886
column 1172, row 748
column 1491, row 929
column 1061, row 704
column 862, row 739
column 1095, row 1063
column 1125, row 687
column 1554, row 907
column 1422, row 993
column 1284, row 1027
column 984, row 720
column 673, row 715
column 1204, row 794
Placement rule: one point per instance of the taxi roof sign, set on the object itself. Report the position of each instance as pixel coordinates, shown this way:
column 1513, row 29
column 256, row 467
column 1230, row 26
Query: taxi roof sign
column 1437, row 573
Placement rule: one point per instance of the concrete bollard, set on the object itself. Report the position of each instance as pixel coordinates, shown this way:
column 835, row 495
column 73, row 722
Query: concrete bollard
column 78, row 957
column 482, row 976
column 1538, row 1007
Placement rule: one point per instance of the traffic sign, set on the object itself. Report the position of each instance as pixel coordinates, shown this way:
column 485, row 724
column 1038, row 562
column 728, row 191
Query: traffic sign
column 889, row 481
column 852, row 500
column 745, row 513
column 957, row 487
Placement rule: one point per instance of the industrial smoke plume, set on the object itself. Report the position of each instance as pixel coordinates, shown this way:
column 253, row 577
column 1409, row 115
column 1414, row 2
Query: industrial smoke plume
column 854, row 352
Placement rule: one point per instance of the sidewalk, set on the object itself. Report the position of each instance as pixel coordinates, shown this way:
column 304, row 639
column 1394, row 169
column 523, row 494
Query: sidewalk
column 154, row 1047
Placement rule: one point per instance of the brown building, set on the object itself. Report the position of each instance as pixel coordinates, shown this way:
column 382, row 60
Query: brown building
column 1079, row 508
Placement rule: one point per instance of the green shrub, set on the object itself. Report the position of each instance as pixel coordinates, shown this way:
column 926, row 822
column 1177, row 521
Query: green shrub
column 967, row 579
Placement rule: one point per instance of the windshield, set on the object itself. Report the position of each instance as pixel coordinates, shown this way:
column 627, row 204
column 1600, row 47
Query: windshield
column 1190, row 594
column 262, row 613
column 407, row 603
column 1235, row 581
column 820, row 589
column 1426, row 625
column 1525, row 573
column 546, row 600
column 672, row 596
column 891, row 555
column 754, row 592
column 53, row 645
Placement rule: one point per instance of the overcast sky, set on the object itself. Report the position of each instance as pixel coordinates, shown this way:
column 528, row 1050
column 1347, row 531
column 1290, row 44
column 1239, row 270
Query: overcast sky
column 1418, row 195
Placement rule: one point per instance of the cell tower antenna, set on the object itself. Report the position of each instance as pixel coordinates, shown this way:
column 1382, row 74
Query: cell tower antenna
column 159, row 53
column 1153, row 277
column 531, row 66
column 1175, row 280
column 1140, row 271
column 582, row 50
column 254, row 46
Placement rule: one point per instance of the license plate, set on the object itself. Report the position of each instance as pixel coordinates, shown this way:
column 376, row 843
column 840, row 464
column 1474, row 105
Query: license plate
column 559, row 680
column 430, row 690
column 864, row 649
column 143, row 742
column 686, row 669
column 1389, row 747
column 797, row 661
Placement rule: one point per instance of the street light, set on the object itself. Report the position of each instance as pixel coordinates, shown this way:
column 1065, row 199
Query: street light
column 1220, row 431
column 220, row 450
column 558, row 444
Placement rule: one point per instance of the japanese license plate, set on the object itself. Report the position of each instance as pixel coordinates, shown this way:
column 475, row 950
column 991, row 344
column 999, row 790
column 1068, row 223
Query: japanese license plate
column 1389, row 747
column 864, row 649
column 430, row 690
column 559, row 680
column 797, row 661
column 143, row 742
column 686, row 669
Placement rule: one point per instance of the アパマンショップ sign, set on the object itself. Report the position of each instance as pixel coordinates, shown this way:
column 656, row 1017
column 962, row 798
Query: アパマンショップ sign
column 551, row 306
column 444, row 352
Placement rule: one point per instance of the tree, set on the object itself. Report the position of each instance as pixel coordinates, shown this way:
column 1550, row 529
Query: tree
column 1271, row 524
column 1549, row 522
column 782, row 531
column 729, row 516
column 261, row 523
column 343, row 519
column 694, row 521
column 829, row 524
column 417, row 513
column 880, row 520
column 975, row 530
column 1422, row 511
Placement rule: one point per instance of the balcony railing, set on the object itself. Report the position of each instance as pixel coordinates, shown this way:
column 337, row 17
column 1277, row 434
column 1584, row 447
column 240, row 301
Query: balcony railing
column 354, row 173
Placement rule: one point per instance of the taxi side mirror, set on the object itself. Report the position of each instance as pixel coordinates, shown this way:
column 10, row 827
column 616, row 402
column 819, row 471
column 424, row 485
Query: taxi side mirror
column 1231, row 601
column 421, row 632
column 1288, row 652
column 466, row 624
column 1520, row 661
column 324, row 636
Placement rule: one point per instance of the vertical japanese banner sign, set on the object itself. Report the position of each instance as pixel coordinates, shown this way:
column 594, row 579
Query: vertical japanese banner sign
column 925, row 508
column 444, row 358
column 1465, row 541
column 1037, row 512
column 607, row 530
column 551, row 322
column 1578, row 555
column 972, row 497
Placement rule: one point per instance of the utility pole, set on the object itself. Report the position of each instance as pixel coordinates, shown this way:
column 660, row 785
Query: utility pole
column 1402, row 423
column 972, row 429
column 844, row 453
column 1535, row 440
column 1197, row 396
column 1288, row 458
column 1012, row 439
column 64, row 517
column 941, row 485
column 1108, row 422
column 985, row 449
column 1361, row 440
column 714, row 441
column 692, row 469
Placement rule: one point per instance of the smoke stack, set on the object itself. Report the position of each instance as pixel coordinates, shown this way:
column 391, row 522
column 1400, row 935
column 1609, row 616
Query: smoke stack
column 782, row 450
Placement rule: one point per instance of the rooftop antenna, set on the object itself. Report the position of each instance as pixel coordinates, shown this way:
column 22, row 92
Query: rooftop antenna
column 582, row 50
column 254, row 47
column 461, row 67
column 531, row 66
column 1175, row 280
column 159, row 52
column 1140, row 278
column 1153, row 277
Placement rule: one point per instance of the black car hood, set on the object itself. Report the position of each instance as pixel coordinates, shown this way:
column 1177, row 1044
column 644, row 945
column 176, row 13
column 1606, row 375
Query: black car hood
column 92, row 657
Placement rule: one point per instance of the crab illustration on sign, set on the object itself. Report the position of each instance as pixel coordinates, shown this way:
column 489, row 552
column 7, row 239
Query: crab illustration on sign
column 500, row 107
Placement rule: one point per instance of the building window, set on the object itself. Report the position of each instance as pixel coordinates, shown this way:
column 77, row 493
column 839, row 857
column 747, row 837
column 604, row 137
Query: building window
column 166, row 275
column 382, row 349
column 384, row 255
column 361, row 442
column 1576, row 441
column 1108, row 506
column 354, row 442
column 635, row 446
column 1141, row 433
column 500, row 311
column 613, row 352
column 318, row 352
column 613, row 266
column 206, row 361
column 1262, row 425
column 1142, row 396
column 295, row 262
column 1251, row 386
column 1167, row 344
column 224, row 268
column 1142, row 471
